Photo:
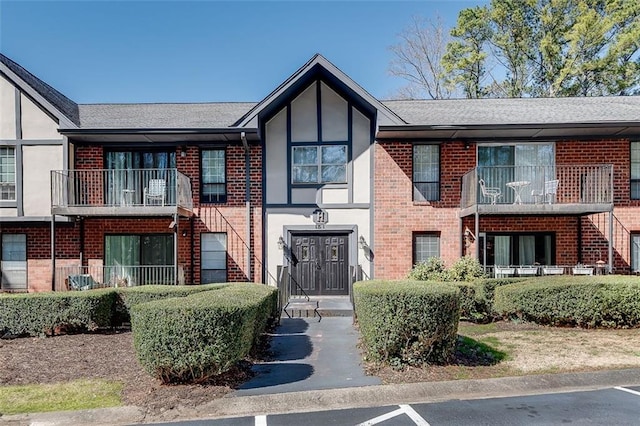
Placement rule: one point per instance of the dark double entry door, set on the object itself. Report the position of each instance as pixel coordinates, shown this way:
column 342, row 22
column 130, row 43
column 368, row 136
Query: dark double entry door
column 320, row 263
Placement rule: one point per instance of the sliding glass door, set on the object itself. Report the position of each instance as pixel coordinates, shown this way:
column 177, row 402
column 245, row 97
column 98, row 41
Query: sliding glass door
column 532, row 163
column 518, row 249
column 139, row 259
column 126, row 185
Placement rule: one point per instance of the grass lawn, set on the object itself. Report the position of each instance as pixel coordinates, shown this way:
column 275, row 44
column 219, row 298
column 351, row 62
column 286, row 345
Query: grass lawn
column 76, row 395
column 514, row 349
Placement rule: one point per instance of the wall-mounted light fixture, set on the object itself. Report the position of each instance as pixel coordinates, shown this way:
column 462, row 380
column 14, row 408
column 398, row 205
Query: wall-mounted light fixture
column 362, row 243
column 185, row 232
column 183, row 151
column 466, row 145
column 281, row 243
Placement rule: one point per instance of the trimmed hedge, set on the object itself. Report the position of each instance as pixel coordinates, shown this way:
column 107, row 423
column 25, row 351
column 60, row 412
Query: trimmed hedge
column 193, row 338
column 130, row 296
column 407, row 322
column 476, row 298
column 37, row 314
column 593, row 301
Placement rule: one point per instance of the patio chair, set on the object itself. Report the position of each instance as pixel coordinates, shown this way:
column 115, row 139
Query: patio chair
column 81, row 282
column 489, row 192
column 548, row 193
column 155, row 190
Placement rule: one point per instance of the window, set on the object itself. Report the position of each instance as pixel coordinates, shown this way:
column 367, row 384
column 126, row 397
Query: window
column 13, row 261
column 425, row 246
column 426, row 172
column 635, row 252
column 635, row 170
column 214, row 177
column 7, row 173
column 319, row 164
column 213, row 257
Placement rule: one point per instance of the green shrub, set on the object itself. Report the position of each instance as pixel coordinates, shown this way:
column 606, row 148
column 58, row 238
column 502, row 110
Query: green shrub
column 190, row 339
column 466, row 268
column 408, row 322
column 431, row 269
column 129, row 296
column 598, row 301
column 37, row 314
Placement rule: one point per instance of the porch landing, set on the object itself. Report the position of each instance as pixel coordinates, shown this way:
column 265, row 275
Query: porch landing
column 328, row 306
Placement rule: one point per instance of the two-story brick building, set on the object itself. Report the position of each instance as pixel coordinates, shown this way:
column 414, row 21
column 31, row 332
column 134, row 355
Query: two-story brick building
column 319, row 176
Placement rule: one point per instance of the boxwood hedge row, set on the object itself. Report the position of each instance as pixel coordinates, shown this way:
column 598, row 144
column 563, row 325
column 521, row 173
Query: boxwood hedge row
column 130, row 296
column 598, row 301
column 37, row 314
column 476, row 297
column 407, row 322
column 190, row 339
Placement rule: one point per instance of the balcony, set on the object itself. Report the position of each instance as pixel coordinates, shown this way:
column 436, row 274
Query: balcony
column 131, row 192
column 539, row 190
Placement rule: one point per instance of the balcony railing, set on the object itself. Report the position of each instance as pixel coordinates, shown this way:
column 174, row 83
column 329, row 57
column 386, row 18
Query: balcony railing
column 533, row 189
column 92, row 277
column 130, row 191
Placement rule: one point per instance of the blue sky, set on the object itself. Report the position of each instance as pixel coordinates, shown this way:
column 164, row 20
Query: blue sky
column 204, row 51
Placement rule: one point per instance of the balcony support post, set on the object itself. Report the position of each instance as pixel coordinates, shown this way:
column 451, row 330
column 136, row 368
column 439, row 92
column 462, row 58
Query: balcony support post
column 176, row 233
column 53, row 252
column 477, row 233
column 610, row 254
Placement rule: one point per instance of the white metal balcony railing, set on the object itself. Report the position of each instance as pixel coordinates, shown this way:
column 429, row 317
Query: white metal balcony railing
column 91, row 277
column 534, row 185
column 120, row 188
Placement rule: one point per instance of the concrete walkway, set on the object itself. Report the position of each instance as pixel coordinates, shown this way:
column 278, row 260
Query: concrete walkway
column 310, row 355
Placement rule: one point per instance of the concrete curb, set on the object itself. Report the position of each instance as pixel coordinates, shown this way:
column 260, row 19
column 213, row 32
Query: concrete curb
column 335, row 399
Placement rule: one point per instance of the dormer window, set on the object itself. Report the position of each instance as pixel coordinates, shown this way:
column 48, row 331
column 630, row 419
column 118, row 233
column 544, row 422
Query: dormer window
column 319, row 164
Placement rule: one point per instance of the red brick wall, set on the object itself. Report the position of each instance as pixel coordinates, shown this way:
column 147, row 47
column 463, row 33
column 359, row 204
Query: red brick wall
column 229, row 217
column 397, row 217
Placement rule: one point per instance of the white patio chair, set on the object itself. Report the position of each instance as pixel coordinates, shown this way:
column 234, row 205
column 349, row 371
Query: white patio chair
column 489, row 192
column 155, row 190
column 549, row 192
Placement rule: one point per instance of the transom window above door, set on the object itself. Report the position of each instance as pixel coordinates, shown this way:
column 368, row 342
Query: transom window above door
column 319, row 164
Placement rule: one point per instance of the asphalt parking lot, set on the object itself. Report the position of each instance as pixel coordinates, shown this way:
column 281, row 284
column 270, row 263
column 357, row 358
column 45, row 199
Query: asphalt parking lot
column 611, row 406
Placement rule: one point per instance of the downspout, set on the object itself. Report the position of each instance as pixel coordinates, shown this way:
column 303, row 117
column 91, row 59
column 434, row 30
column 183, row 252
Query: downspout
column 247, row 199
column 176, row 235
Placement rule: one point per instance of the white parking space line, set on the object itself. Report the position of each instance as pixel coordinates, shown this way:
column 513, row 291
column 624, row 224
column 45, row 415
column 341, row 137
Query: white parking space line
column 382, row 418
column 404, row 409
column 620, row 388
column 413, row 415
column 261, row 420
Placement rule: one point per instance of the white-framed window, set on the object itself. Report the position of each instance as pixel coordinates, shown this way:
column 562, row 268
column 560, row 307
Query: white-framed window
column 426, row 172
column 214, row 176
column 213, row 257
column 425, row 245
column 635, row 171
column 7, row 173
column 13, row 261
column 319, row 164
column 635, row 252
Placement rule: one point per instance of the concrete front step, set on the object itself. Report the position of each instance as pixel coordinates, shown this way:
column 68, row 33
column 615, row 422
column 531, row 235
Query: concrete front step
column 330, row 306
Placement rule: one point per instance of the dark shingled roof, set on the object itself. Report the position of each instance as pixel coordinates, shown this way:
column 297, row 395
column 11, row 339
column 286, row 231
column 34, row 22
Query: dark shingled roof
column 162, row 116
column 460, row 112
column 63, row 104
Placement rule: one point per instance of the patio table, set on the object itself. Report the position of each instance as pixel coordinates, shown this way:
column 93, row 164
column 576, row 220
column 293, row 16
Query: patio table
column 517, row 187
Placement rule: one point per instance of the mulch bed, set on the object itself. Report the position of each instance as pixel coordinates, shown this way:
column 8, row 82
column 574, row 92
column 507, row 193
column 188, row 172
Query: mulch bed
column 105, row 355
